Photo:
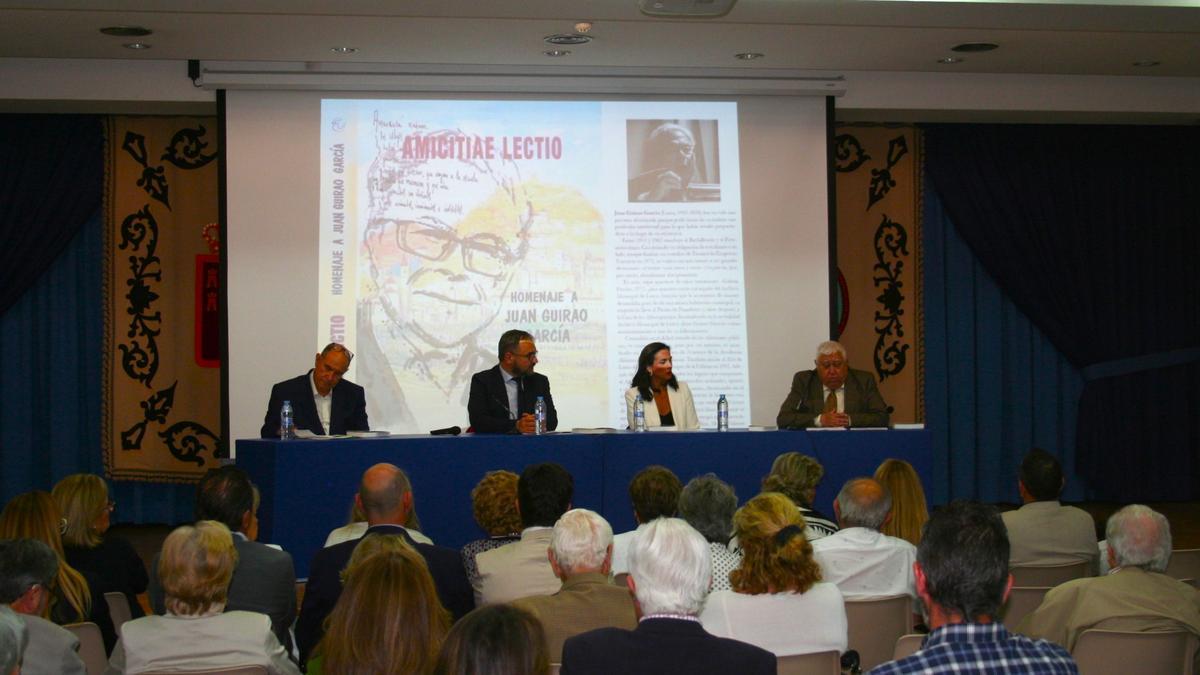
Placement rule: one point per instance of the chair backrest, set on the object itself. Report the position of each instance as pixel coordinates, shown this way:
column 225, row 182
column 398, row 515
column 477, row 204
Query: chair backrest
column 1111, row 651
column 1021, row 601
column 1184, row 564
column 817, row 663
column 907, row 645
column 555, row 668
column 875, row 625
column 118, row 609
column 1049, row 575
column 91, row 647
column 232, row 670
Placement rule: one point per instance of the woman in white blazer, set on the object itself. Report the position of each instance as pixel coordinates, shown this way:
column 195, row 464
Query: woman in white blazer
column 667, row 401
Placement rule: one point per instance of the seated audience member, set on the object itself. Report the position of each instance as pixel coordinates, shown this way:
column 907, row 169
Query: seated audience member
column 669, row 575
column 796, row 476
column 1134, row 596
column 963, row 581
column 832, row 395
column 654, row 492
column 492, row 503
column 778, row 601
column 13, row 638
column 195, row 568
column 264, row 580
column 581, row 555
column 35, row 515
column 860, row 559
column 1043, row 531
column 386, row 497
column 388, row 618
column 495, row 640
column 357, row 527
column 707, row 503
column 521, row 568
column 666, row 401
column 83, row 500
column 909, row 511
column 27, row 569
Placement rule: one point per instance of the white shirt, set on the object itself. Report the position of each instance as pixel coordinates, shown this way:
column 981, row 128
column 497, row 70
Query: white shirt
column 620, row 556
column 782, row 623
column 724, row 561
column 866, row 563
column 357, row 530
column 324, row 403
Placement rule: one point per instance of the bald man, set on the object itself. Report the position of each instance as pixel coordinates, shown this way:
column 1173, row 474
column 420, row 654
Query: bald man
column 385, row 496
column 860, row 559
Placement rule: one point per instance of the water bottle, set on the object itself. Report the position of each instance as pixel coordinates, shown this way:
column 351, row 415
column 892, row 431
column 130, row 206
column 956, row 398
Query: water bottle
column 722, row 414
column 287, row 422
column 539, row 416
column 639, row 414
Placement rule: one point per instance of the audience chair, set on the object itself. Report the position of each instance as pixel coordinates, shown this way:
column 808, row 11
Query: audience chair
column 1049, row 575
column 233, row 670
column 118, row 609
column 91, row 647
column 1185, row 564
column 907, row 645
column 875, row 625
column 817, row 663
column 1023, row 600
column 555, row 668
column 1111, row 651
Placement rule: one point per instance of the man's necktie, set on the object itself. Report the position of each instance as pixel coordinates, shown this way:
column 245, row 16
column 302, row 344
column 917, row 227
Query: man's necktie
column 830, row 402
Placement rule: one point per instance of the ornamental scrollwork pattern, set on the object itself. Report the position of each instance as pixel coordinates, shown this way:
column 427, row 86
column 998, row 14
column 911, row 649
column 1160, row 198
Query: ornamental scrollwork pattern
column 891, row 245
column 153, row 179
column 186, row 440
column 881, row 179
column 139, row 356
column 848, row 153
column 154, row 409
column 186, row 149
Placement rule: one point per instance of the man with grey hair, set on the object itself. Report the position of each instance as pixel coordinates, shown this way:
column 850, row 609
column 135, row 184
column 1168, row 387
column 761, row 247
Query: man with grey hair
column 581, row 555
column 832, row 395
column 1134, row 596
column 669, row 574
column 707, row 503
column 860, row 559
column 27, row 569
column 13, row 638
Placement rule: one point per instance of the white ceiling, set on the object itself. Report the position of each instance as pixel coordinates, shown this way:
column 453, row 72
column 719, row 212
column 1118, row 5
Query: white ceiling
column 826, row 36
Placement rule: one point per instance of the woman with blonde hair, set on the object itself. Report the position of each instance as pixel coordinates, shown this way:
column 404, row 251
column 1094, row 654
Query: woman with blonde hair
column 778, row 601
column 35, row 515
column 83, row 500
column 796, row 476
column 195, row 568
column 388, row 618
column 909, row 511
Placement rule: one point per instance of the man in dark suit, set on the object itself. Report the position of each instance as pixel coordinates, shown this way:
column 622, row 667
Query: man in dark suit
column 265, row 578
column 385, row 496
column 669, row 573
column 832, row 395
column 322, row 402
column 502, row 397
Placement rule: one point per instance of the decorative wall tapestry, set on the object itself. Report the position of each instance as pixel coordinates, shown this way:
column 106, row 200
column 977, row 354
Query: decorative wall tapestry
column 161, row 411
column 878, row 252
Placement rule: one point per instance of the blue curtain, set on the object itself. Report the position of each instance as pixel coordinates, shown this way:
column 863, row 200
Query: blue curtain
column 994, row 384
column 1092, row 232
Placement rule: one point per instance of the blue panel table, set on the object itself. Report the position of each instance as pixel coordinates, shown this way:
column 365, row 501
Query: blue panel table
column 308, row 486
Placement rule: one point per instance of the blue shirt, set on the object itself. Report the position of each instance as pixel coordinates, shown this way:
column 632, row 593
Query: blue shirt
column 986, row 648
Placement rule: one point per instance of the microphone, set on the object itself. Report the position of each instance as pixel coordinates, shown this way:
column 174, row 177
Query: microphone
column 448, row 431
column 799, row 404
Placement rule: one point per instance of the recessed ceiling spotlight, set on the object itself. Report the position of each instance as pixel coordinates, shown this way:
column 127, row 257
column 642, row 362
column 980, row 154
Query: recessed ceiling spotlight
column 970, row 47
column 343, row 50
column 950, row 59
column 567, row 39
column 136, row 45
column 748, row 56
column 126, row 31
column 1146, row 63
column 555, row 53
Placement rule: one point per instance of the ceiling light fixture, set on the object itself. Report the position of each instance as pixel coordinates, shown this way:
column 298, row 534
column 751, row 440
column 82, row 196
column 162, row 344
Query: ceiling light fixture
column 950, row 59
column 555, row 53
column 748, row 56
column 567, row 39
column 583, row 26
column 126, row 31
column 1146, row 63
column 972, row 47
column 136, row 45
column 343, row 50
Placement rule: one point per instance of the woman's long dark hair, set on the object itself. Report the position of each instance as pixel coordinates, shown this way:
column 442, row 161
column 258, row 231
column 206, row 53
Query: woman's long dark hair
column 641, row 379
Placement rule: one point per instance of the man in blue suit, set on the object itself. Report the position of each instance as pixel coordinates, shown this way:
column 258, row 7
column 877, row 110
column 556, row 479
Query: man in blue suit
column 322, row 402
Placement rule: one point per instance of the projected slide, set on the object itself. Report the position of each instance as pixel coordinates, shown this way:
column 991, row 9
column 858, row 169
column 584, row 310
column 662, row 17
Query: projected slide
column 596, row 226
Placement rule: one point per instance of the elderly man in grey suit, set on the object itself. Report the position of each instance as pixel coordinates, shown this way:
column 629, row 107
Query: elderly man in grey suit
column 832, row 395
column 27, row 567
column 265, row 578
column 580, row 554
